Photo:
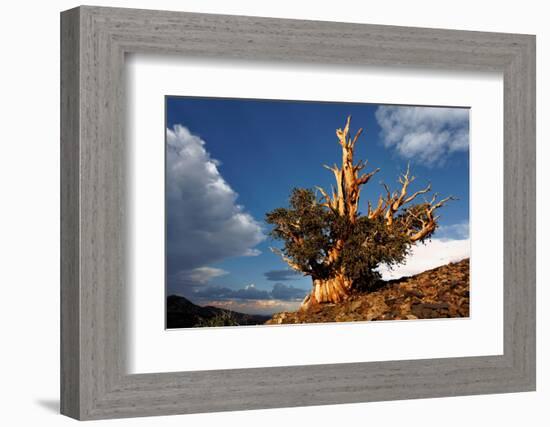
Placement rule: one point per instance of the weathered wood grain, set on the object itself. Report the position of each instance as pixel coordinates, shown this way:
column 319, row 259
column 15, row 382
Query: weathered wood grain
column 70, row 220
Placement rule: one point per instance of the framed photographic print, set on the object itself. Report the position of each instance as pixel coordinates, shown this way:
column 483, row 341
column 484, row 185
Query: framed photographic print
column 334, row 262
column 346, row 212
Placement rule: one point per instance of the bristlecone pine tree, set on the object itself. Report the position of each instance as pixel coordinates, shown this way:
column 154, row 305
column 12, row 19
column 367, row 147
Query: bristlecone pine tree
column 328, row 239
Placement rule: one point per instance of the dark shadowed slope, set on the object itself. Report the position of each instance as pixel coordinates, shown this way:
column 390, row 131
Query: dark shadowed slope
column 182, row 313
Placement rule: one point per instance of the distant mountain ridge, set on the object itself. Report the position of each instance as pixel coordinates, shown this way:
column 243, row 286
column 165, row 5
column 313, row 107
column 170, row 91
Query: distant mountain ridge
column 182, row 313
column 437, row 293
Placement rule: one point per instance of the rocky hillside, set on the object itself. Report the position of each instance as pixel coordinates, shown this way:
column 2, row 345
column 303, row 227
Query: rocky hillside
column 437, row 293
column 182, row 313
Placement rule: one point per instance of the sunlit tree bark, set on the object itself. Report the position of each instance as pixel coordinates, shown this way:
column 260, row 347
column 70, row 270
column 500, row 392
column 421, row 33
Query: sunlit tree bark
column 329, row 264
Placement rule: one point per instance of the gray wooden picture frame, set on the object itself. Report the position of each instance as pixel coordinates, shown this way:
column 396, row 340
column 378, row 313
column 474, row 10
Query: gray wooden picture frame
column 94, row 382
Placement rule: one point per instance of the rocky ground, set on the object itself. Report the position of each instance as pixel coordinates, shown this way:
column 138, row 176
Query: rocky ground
column 438, row 293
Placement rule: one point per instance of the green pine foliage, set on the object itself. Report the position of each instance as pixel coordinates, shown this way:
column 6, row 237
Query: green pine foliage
column 309, row 231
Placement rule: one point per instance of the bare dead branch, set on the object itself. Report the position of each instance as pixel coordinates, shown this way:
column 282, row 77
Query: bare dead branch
column 366, row 177
column 342, row 134
column 418, row 193
column 427, row 219
column 356, row 137
column 379, row 209
column 290, row 263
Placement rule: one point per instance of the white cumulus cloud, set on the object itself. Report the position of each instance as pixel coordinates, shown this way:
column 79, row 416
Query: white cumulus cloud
column 459, row 230
column 205, row 224
column 432, row 254
column 427, row 135
column 200, row 275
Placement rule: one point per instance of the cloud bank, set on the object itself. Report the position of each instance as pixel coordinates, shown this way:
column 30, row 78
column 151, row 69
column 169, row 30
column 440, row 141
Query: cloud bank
column 199, row 275
column 456, row 231
column 434, row 253
column 250, row 292
column 266, row 307
column 205, row 224
column 287, row 293
column 426, row 135
column 281, row 275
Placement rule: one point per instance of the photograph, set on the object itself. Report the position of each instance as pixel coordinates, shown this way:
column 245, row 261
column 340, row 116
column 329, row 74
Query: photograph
column 291, row 212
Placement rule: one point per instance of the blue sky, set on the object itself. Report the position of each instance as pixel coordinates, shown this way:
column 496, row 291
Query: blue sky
column 229, row 161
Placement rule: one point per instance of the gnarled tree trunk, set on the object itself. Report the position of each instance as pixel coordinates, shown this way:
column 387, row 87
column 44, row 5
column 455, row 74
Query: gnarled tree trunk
column 344, row 201
column 332, row 290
